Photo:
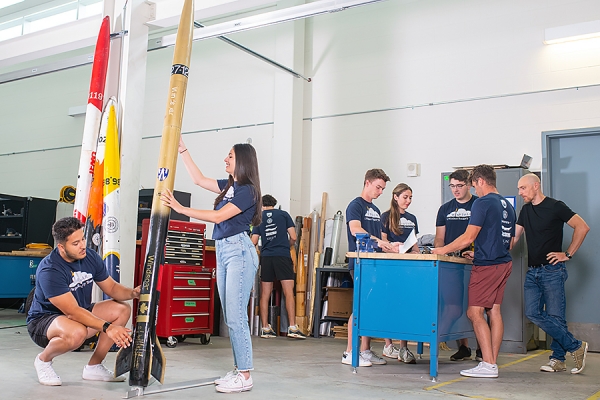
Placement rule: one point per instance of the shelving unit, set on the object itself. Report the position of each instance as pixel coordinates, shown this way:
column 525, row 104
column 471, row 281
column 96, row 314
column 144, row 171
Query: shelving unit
column 145, row 198
column 322, row 275
column 25, row 220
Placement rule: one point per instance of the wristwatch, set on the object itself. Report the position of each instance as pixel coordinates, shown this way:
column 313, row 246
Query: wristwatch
column 105, row 326
column 569, row 256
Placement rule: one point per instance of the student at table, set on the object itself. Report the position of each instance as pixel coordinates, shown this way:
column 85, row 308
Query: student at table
column 397, row 226
column 451, row 222
column 363, row 216
column 491, row 227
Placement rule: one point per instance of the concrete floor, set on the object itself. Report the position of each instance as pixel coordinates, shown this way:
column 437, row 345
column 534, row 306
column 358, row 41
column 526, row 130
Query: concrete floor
column 286, row 368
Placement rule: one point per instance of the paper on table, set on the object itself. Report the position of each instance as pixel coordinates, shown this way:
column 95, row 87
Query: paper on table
column 409, row 243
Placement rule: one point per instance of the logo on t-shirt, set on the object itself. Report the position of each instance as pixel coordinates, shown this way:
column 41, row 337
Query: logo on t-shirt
column 406, row 223
column 80, row 279
column 459, row 214
column 229, row 194
column 372, row 214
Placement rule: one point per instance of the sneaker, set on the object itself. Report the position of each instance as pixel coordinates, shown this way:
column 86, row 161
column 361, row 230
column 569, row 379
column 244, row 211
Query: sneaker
column 390, row 351
column 463, row 354
column 579, row 358
column 227, row 377
column 237, row 384
column 362, row 361
column 554, row 365
column 478, row 356
column 294, row 332
column 482, row 370
column 46, row 374
column 374, row 358
column 99, row 372
column 406, row 356
column 267, row 332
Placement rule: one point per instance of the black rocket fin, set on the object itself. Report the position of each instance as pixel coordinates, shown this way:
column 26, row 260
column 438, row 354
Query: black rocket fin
column 158, row 363
column 123, row 362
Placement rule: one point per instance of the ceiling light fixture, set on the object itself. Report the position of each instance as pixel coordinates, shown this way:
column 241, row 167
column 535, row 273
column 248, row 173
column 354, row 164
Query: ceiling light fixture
column 566, row 33
column 271, row 18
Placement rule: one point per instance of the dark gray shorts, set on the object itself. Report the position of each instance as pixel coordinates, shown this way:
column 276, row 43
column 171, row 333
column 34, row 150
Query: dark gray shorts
column 38, row 328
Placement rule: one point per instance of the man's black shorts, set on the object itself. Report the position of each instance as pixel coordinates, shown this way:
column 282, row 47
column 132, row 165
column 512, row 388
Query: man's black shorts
column 276, row 268
column 38, row 328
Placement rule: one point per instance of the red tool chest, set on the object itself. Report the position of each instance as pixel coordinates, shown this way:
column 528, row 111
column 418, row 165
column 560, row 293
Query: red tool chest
column 187, row 287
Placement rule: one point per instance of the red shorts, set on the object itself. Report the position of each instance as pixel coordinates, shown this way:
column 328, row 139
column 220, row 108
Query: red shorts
column 487, row 283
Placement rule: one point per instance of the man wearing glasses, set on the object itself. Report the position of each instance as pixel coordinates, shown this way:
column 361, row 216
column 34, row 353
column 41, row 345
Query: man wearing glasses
column 451, row 222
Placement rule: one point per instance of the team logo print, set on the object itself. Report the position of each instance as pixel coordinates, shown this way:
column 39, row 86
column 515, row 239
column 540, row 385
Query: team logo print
column 503, row 203
column 269, row 214
column 229, row 194
column 270, row 220
column 163, row 173
column 80, row 279
column 112, row 225
column 504, row 214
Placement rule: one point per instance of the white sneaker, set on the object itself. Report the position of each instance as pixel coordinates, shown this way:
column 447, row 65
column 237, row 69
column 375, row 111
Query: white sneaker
column 482, row 370
column 237, row 384
column 227, row 377
column 390, row 351
column 99, row 372
column 374, row 358
column 46, row 374
column 406, row 356
column 362, row 362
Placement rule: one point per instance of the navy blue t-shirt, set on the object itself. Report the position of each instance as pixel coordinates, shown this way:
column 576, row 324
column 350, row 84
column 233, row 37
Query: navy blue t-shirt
column 408, row 222
column 273, row 233
column 370, row 220
column 241, row 196
column 55, row 276
column 496, row 217
column 455, row 217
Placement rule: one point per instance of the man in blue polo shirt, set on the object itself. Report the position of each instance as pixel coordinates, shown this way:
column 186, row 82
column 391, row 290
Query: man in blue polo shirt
column 491, row 227
column 451, row 222
column 277, row 233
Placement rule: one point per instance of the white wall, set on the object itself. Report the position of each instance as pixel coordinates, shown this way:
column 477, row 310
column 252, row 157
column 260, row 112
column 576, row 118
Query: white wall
column 393, row 54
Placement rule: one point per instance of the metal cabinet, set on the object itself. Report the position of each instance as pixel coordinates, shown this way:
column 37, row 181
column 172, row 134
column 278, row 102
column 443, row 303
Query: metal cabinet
column 17, row 276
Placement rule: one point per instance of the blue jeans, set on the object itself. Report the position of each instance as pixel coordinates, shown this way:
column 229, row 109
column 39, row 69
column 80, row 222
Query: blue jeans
column 545, row 286
column 237, row 263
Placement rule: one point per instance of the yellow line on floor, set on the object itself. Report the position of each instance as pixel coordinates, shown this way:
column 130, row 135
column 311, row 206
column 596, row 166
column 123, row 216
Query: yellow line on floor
column 595, row 396
column 466, row 395
column 529, row 357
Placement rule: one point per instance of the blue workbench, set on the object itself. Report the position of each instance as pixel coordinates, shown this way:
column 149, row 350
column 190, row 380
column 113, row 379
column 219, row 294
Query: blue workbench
column 17, row 272
column 426, row 293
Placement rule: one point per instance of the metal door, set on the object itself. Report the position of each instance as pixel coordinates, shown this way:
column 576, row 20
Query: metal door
column 570, row 162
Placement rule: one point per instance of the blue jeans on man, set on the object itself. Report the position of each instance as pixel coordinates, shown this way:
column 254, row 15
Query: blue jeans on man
column 545, row 286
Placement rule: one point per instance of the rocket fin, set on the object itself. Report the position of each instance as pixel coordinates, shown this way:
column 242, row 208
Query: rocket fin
column 123, row 362
column 159, row 362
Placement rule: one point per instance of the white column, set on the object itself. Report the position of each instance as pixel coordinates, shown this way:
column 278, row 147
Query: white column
column 286, row 157
column 131, row 97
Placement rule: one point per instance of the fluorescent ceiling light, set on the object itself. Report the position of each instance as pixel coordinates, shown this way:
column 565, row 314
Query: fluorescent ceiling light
column 566, row 33
column 6, row 3
column 271, row 18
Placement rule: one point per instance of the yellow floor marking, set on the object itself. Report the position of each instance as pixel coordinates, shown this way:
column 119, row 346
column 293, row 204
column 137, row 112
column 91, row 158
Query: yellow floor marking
column 529, row 357
column 595, row 396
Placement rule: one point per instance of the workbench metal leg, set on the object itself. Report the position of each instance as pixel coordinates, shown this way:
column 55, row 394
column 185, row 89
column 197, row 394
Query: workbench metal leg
column 420, row 350
column 433, row 362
